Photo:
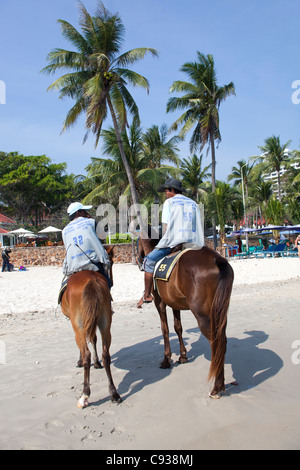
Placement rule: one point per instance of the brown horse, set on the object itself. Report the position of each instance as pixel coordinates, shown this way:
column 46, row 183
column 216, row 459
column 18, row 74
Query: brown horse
column 201, row 282
column 87, row 302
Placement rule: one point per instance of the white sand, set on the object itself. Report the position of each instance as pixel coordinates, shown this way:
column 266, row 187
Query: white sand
column 161, row 409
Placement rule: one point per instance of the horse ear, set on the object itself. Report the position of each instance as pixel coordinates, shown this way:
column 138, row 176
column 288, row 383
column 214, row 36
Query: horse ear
column 110, row 250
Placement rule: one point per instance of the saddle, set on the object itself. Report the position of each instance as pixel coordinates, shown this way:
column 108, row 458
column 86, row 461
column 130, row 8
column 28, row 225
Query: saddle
column 65, row 282
column 62, row 290
column 165, row 266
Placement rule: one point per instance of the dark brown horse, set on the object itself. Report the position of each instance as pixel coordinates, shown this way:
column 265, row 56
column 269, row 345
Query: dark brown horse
column 201, row 282
column 87, row 303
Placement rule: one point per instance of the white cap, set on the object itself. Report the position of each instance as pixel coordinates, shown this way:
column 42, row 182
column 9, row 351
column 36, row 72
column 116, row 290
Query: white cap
column 77, row 206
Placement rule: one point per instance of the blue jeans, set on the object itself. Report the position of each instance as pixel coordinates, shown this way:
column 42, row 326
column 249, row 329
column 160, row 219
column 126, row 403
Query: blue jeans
column 153, row 257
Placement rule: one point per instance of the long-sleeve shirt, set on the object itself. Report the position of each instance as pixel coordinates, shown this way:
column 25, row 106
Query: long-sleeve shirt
column 83, row 247
column 183, row 219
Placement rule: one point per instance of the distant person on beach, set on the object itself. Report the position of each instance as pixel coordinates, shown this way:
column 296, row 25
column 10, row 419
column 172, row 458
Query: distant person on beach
column 84, row 250
column 239, row 243
column 297, row 244
column 181, row 221
column 5, row 259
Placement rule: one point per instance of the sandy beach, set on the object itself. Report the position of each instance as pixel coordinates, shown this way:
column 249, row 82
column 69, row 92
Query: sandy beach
column 161, row 409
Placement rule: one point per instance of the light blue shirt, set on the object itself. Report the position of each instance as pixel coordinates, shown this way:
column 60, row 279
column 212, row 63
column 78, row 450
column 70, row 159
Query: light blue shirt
column 183, row 219
column 82, row 246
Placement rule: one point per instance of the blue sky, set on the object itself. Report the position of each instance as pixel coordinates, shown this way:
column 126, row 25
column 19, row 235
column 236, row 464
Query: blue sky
column 255, row 44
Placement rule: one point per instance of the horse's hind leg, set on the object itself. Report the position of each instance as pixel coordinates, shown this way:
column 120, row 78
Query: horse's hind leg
column 219, row 383
column 97, row 363
column 86, row 363
column 162, row 310
column 178, row 328
column 106, row 341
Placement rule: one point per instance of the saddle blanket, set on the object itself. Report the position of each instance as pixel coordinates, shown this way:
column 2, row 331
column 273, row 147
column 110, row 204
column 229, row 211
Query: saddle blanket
column 165, row 266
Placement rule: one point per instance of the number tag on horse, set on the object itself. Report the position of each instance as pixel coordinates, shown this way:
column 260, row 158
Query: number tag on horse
column 165, row 266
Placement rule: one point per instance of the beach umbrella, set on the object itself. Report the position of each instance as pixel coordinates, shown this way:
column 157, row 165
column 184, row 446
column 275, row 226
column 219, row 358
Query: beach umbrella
column 50, row 229
column 20, row 232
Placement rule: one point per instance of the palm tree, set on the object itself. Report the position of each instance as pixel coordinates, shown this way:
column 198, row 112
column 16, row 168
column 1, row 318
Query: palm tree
column 240, row 174
column 98, row 76
column 110, row 174
column 193, row 175
column 202, row 98
column 275, row 154
column 221, row 201
column 158, row 147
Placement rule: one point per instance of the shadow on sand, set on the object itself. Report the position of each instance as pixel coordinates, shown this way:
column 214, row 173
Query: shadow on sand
column 251, row 364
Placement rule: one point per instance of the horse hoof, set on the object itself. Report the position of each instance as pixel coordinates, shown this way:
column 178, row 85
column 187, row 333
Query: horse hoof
column 83, row 402
column 116, row 398
column 183, row 360
column 165, row 365
column 97, row 365
column 217, row 396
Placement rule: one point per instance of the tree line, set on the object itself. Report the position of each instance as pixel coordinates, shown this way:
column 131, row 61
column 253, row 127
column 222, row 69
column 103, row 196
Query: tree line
column 97, row 77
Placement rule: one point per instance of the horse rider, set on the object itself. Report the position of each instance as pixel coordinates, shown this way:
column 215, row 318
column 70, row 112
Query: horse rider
column 84, row 250
column 181, row 222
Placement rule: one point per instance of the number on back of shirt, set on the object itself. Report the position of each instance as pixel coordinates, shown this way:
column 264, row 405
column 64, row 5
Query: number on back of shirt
column 78, row 240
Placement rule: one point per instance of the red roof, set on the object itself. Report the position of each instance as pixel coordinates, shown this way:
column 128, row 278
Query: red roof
column 6, row 220
column 2, row 230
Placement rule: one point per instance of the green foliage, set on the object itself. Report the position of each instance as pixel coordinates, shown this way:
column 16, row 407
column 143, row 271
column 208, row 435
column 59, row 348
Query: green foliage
column 201, row 100
column 33, row 186
column 119, row 238
column 274, row 212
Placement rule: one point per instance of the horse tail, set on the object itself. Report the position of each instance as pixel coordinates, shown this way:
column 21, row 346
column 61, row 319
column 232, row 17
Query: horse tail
column 219, row 311
column 93, row 300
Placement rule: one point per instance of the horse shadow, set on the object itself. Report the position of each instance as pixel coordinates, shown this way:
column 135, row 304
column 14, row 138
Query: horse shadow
column 251, row 364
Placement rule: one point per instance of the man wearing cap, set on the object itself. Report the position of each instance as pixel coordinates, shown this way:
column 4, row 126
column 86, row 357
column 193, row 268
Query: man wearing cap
column 181, row 221
column 84, row 250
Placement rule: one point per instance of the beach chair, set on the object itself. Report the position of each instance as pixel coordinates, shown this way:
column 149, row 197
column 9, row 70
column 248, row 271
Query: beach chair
column 246, row 254
column 272, row 250
column 291, row 253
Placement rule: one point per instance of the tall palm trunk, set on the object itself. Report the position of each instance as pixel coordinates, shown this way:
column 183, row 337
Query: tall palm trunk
column 125, row 163
column 279, row 184
column 213, row 183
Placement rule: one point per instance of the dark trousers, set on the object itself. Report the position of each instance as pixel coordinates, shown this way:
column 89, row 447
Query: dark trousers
column 5, row 264
column 102, row 271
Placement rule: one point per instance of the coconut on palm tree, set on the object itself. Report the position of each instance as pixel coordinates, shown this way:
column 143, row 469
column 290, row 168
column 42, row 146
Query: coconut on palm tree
column 98, row 74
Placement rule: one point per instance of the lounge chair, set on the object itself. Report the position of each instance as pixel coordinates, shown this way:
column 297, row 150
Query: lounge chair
column 246, row 254
column 273, row 250
column 291, row 253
